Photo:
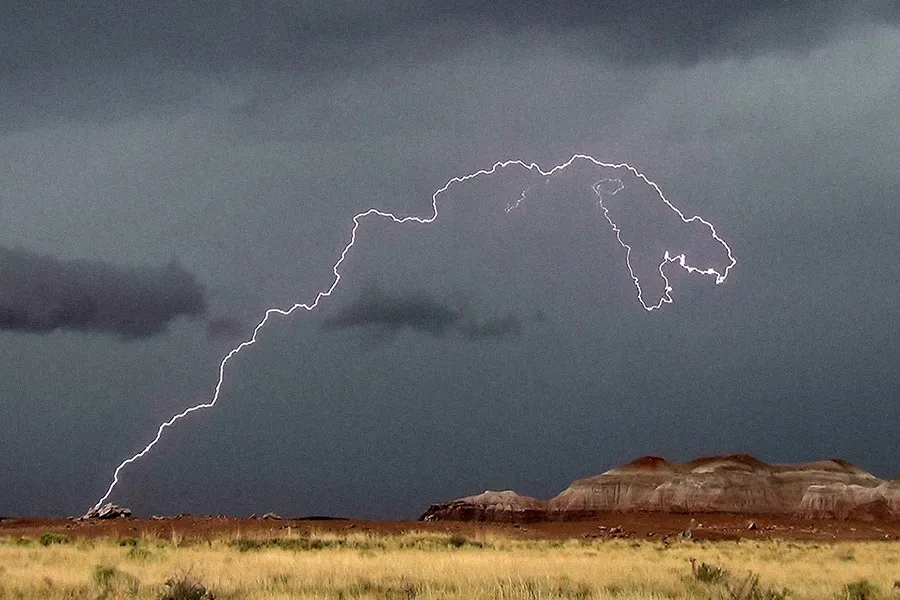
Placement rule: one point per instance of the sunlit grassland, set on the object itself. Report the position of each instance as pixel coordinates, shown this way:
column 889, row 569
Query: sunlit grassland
column 420, row 565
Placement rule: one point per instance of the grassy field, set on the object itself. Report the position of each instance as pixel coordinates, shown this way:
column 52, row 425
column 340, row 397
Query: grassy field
column 430, row 566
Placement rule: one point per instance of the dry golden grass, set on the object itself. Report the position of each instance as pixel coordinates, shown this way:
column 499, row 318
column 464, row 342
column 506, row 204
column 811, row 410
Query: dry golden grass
column 428, row 566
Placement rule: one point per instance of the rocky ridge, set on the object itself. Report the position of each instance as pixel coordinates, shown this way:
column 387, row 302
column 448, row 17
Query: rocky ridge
column 736, row 484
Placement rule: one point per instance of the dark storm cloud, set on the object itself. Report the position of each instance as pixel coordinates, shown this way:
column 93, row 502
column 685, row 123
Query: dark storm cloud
column 419, row 312
column 685, row 31
column 320, row 34
column 41, row 294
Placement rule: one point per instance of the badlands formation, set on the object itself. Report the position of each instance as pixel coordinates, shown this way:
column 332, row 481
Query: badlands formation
column 734, row 484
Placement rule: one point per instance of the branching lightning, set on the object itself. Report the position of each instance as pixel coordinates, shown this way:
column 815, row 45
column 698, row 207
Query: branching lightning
column 679, row 259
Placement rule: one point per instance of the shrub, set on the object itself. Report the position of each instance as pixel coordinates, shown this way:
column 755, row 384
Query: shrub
column 114, row 583
column 139, row 553
column 185, row 587
column 53, row 538
column 103, row 576
column 459, row 541
column 750, row 589
column 707, row 573
column 859, row 590
column 297, row 544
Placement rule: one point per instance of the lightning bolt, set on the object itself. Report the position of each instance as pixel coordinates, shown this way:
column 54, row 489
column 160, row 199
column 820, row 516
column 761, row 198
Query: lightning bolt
column 678, row 259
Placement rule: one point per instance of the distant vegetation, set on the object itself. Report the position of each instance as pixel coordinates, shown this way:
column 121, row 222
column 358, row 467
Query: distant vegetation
column 449, row 567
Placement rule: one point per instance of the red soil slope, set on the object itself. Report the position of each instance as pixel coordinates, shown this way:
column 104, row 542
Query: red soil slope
column 622, row 525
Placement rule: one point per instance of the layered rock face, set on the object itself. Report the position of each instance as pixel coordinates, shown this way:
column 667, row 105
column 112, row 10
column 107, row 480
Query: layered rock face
column 738, row 484
column 840, row 501
column 508, row 507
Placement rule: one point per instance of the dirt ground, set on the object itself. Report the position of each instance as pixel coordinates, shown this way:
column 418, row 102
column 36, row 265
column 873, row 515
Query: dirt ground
column 650, row 526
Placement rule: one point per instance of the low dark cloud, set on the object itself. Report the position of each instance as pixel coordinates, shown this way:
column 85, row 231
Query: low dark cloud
column 687, row 31
column 40, row 294
column 318, row 35
column 388, row 313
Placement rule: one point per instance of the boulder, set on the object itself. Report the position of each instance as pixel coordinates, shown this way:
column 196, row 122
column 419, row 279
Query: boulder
column 107, row 511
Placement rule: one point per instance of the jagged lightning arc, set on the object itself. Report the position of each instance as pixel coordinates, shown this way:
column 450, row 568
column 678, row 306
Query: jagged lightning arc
column 679, row 259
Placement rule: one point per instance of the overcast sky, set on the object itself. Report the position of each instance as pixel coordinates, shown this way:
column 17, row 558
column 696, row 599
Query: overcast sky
column 170, row 170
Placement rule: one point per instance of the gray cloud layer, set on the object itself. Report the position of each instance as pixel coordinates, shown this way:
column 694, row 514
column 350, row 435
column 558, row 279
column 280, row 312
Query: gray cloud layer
column 498, row 327
column 421, row 313
column 320, row 34
column 41, row 294
column 134, row 132
column 224, row 328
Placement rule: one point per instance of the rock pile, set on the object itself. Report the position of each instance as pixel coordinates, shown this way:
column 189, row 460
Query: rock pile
column 737, row 484
column 107, row 511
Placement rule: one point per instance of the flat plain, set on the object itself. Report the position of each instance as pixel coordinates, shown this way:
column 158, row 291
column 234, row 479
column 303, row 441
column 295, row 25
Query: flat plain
column 255, row 559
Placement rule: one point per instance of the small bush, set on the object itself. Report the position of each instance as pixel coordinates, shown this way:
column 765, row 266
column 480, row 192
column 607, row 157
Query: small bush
column 185, row 587
column 114, row 583
column 49, row 539
column 460, row 541
column 750, row 589
column 707, row 573
column 296, row 544
column 859, row 590
column 439, row 542
column 139, row 553
column 103, row 575
column 245, row 545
